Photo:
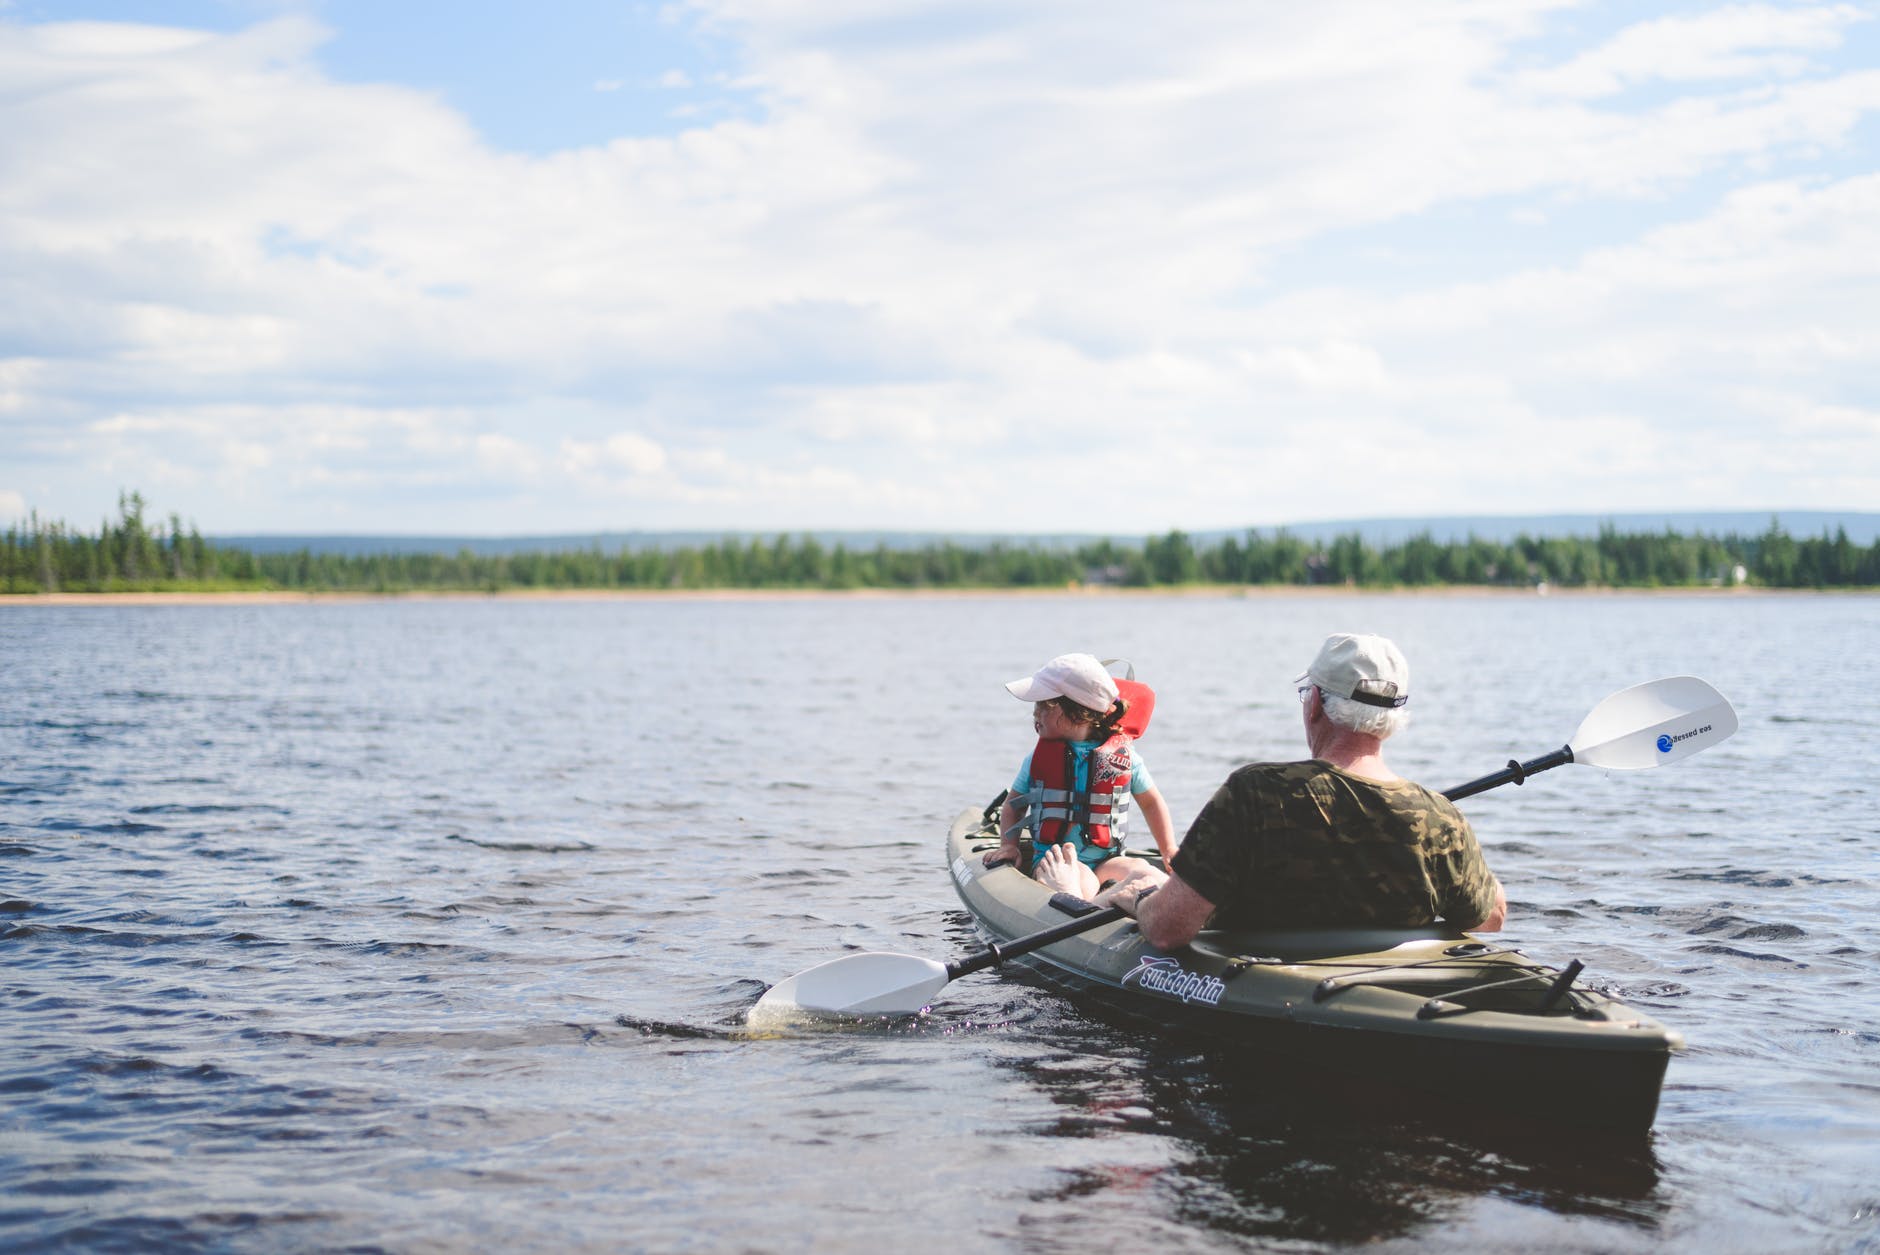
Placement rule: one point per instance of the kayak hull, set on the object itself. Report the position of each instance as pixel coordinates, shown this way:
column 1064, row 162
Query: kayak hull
column 1431, row 1011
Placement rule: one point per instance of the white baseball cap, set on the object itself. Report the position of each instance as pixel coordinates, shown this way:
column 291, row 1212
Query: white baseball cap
column 1368, row 669
column 1079, row 677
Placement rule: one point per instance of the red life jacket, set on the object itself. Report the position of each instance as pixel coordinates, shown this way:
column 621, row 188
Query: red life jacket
column 1103, row 808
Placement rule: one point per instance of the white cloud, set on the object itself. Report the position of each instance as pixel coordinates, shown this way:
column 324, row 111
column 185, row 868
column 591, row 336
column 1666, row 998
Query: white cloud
column 1838, row 421
column 16, row 376
column 632, row 453
column 499, row 453
column 1735, row 42
column 951, row 245
column 1337, row 366
column 1669, row 371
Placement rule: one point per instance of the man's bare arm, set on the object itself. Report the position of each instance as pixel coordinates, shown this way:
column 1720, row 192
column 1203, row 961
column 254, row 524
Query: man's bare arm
column 1496, row 917
column 1170, row 917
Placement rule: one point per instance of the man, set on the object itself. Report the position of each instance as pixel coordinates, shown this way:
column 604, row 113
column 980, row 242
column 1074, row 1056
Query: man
column 1339, row 840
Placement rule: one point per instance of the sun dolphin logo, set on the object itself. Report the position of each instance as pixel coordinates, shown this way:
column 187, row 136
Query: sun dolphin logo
column 1172, row 980
column 1666, row 741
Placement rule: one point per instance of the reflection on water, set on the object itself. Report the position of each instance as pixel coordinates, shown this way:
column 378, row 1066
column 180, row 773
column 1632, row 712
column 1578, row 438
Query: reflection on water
column 1274, row 1157
column 1274, row 1150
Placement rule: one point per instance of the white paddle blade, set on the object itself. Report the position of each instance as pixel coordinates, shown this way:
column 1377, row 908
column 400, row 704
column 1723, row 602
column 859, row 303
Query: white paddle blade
column 1652, row 724
column 856, row 984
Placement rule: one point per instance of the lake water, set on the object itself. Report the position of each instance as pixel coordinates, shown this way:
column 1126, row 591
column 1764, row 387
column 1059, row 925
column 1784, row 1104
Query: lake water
column 432, row 925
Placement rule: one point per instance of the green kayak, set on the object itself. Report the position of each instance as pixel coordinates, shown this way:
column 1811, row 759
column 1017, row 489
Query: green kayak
column 1430, row 1010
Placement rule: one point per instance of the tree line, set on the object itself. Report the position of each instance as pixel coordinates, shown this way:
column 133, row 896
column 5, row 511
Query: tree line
column 135, row 554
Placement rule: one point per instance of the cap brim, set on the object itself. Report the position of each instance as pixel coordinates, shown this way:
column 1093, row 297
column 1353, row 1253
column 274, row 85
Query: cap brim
column 1031, row 689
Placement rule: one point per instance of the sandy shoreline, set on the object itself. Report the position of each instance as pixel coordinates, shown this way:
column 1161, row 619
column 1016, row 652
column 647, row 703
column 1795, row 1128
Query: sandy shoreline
column 868, row 594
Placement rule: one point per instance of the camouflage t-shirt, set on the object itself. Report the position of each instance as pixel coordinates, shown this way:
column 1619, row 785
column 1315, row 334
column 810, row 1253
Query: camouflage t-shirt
column 1300, row 845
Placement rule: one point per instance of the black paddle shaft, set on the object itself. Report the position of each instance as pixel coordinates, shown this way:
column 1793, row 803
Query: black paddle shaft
column 1513, row 773
column 998, row 953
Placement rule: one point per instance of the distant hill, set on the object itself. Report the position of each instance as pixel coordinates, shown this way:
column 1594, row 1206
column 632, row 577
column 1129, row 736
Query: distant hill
column 1862, row 529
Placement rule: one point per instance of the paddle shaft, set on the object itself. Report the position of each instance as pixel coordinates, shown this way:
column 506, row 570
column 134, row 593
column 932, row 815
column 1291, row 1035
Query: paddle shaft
column 998, row 952
column 1514, row 773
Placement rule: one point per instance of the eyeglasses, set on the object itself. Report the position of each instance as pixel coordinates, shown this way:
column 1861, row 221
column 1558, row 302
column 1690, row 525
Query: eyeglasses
column 1305, row 693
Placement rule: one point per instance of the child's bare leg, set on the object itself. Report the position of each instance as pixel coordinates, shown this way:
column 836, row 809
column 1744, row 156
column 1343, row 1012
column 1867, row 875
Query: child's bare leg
column 1125, row 871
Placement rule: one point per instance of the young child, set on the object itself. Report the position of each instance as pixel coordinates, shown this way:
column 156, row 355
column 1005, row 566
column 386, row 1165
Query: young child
column 1073, row 793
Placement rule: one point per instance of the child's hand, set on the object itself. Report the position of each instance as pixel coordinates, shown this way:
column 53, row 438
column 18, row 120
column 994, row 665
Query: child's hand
column 1007, row 852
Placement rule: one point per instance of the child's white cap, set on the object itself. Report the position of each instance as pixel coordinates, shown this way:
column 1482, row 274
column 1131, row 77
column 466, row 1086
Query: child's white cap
column 1079, row 677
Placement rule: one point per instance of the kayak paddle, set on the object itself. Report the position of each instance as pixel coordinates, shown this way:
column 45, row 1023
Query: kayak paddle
column 1645, row 726
column 901, row 984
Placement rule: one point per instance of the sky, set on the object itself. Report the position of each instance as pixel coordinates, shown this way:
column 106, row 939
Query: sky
column 324, row 266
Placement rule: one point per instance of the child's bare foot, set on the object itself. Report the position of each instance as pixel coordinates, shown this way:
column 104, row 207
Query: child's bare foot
column 1062, row 871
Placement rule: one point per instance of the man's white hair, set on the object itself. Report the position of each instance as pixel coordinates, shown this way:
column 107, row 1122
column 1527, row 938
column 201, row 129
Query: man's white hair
column 1378, row 721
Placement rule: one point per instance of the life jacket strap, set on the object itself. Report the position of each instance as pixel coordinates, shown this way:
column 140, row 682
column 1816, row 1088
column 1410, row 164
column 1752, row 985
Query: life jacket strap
column 1069, row 806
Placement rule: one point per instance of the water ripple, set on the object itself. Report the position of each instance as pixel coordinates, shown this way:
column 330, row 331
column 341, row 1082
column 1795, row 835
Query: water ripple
column 433, row 926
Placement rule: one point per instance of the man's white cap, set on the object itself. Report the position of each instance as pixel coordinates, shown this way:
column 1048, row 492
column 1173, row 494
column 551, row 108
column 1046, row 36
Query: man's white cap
column 1079, row 677
column 1368, row 669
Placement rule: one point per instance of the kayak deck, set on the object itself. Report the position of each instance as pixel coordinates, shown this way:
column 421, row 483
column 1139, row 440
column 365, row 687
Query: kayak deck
column 1432, row 1009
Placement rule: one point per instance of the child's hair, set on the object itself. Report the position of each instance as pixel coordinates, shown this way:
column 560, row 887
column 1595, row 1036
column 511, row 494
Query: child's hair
column 1105, row 722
